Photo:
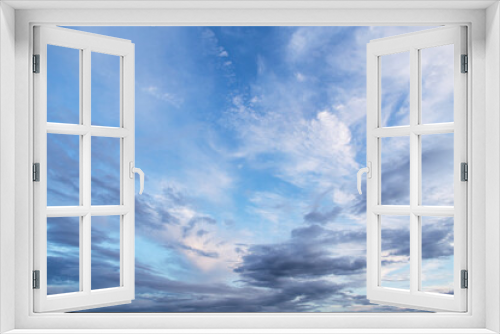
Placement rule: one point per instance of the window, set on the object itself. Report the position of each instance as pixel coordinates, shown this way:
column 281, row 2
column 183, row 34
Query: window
column 95, row 136
column 481, row 239
column 432, row 199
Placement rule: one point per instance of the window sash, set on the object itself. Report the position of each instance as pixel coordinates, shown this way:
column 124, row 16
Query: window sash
column 86, row 297
column 414, row 298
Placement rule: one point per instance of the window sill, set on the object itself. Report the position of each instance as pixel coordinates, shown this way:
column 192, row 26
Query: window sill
column 251, row 331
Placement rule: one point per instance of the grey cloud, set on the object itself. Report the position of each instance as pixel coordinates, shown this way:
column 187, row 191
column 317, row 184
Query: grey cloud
column 437, row 239
column 358, row 207
column 62, row 170
column 319, row 236
column 151, row 217
column 397, row 241
column 196, row 221
column 303, row 257
column 105, row 171
column 322, row 217
column 396, row 182
column 165, row 295
column 201, row 233
column 105, row 189
column 174, row 196
column 285, row 277
column 63, row 231
column 199, row 252
column 63, row 272
column 63, row 269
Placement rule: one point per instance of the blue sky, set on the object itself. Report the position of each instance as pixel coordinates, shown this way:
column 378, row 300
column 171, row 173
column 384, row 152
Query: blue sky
column 250, row 138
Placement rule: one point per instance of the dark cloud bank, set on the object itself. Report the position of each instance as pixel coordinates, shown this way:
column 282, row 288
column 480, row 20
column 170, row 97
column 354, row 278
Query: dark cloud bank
column 298, row 275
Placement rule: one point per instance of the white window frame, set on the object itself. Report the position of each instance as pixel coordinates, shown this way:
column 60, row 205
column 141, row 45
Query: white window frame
column 484, row 213
column 413, row 43
column 86, row 44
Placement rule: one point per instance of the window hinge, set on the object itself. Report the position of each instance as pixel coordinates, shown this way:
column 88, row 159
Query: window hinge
column 36, row 63
column 464, row 171
column 36, row 172
column 465, row 279
column 36, row 279
column 465, row 64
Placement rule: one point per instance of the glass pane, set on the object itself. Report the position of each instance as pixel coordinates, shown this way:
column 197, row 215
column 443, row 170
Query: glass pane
column 395, row 169
column 63, row 85
column 105, row 252
column 437, row 169
column 395, row 90
column 63, row 169
column 437, row 254
column 63, row 255
column 105, row 171
column 437, row 84
column 105, row 90
column 395, row 252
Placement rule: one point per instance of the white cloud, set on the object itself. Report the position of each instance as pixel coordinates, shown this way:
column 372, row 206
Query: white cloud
column 204, row 242
column 254, row 100
column 213, row 48
column 305, row 41
column 210, row 182
column 437, row 274
column 300, row 77
column 163, row 96
column 280, row 210
column 350, row 108
column 286, row 131
column 437, row 84
column 341, row 197
column 396, row 271
column 308, row 151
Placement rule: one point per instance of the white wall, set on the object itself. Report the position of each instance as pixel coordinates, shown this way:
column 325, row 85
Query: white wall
column 492, row 165
column 7, row 161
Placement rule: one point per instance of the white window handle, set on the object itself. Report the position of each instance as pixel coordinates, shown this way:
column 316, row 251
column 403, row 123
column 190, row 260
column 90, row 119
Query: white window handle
column 133, row 170
column 368, row 171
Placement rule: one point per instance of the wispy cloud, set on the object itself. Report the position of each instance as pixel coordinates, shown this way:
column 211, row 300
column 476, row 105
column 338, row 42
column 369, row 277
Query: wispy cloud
column 220, row 56
column 172, row 221
column 305, row 146
column 163, row 96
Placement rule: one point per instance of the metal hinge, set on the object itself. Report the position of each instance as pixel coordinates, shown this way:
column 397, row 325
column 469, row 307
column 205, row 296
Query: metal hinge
column 464, row 279
column 465, row 64
column 464, row 172
column 36, row 279
column 36, row 63
column 36, row 172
